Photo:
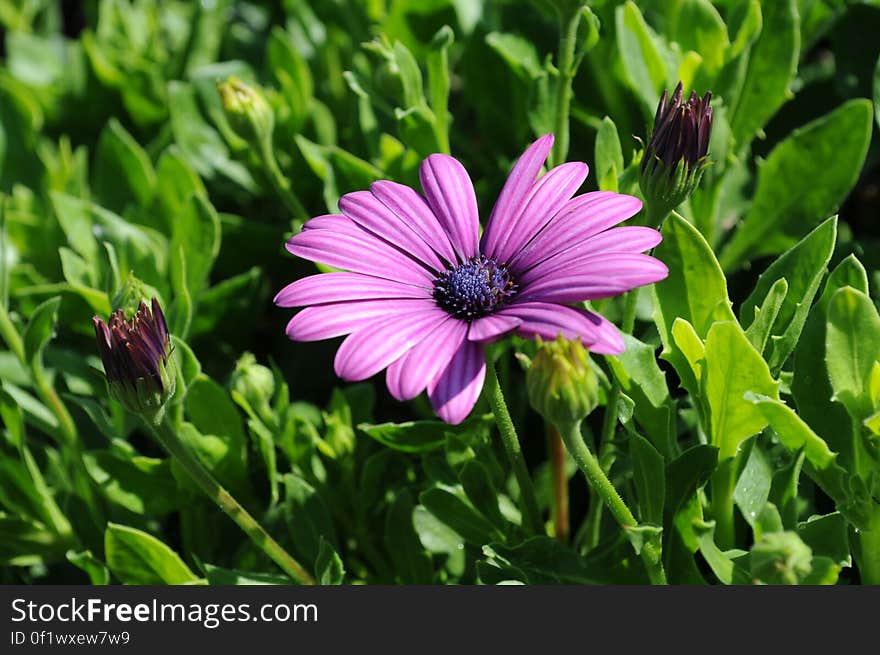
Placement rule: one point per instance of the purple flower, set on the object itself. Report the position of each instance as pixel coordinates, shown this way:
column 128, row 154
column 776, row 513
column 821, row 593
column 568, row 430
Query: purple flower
column 423, row 292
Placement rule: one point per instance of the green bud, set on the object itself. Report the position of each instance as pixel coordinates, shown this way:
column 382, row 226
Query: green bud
column 247, row 110
column 780, row 558
column 561, row 384
column 253, row 381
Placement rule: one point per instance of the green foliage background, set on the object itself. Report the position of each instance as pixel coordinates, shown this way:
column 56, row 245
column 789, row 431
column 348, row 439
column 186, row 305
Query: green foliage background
column 116, row 158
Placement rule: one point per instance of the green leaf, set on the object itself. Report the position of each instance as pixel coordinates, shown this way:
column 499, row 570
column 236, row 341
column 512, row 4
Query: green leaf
column 40, row 328
column 136, row 557
column 200, row 143
column 642, row 54
column 142, row 485
column 827, row 536
column 803, row 268
column 539, row 560
column 609, row 155
column 328, row 567
column 753, row 485
column 197, row 231
column 725, row 569
column 793, row 432
column 687, row 473
column 292, row 72
column 123, row 173
column 410, row 77
column 519, row 53
column 772, row 63
column 803, row 181
column 642, row 380
column 758, row 331
column 451, row 507
column 422, row 436
column 649, row 476
column 307, row 516
column 220, row 576
column 211, row 410
column 481, row 492
column 94, row 568
column 810, row 384
column 852, row 348
column 700, row 28
column 413, row 563
column 732, row 368
column 696, row 289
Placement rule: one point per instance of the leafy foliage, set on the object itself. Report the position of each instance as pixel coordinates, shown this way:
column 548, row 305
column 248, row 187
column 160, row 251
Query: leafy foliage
column 741, row 424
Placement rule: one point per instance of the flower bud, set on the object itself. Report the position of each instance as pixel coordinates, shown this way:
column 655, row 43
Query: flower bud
column 253, row 381
column 780, row 558
column 561, row 384
column 677, row 151
column 247, row 110
column 136, row 354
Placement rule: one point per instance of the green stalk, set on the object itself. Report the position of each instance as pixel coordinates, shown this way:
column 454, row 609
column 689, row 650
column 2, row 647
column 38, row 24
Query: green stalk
column 869, row 551
column 589, row 465
column 561, row 521
column 722, row 484
column 279, row 182
column 10, row 335
column 568, row 26
column 528, row 501
column 225, row 501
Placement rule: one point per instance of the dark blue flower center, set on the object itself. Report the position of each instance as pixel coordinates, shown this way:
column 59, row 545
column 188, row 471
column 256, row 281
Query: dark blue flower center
column 474, row 288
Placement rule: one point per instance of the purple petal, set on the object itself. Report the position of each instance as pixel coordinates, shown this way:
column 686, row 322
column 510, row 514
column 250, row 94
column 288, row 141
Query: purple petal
column 450, row 195
column 367, row 351
column 629, row 239
column 454, row 392
column 338, row 241
column 491, row 327
column 581, row 218
column 334, row 320
column 370, row 213
column 548, row 320
column 408, row 376
column 514, row 194
column 342, row 287
column 547, row 196
column 412, row 208
column 601, row 276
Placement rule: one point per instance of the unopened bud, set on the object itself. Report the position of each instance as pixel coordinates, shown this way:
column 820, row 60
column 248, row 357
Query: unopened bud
column 677, row 151
column 247, row 110
column 561, row 384
column 254, row 382
column 136, row 353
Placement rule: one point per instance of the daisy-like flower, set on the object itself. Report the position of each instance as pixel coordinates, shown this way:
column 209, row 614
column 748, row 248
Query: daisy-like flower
column 423, row 292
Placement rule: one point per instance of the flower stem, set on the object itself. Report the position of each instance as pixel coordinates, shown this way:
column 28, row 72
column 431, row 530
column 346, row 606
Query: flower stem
column 869, row 551
column 569, row 20
column 571, row 435
column 215, row 491
column 722, row 506
column 279, row 182
column 528, row 501
column 561, row 522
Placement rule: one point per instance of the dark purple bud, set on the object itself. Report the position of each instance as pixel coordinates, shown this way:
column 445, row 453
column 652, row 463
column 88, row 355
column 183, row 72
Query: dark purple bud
column 681, row 132
column 677, row 151
column 136, row 353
